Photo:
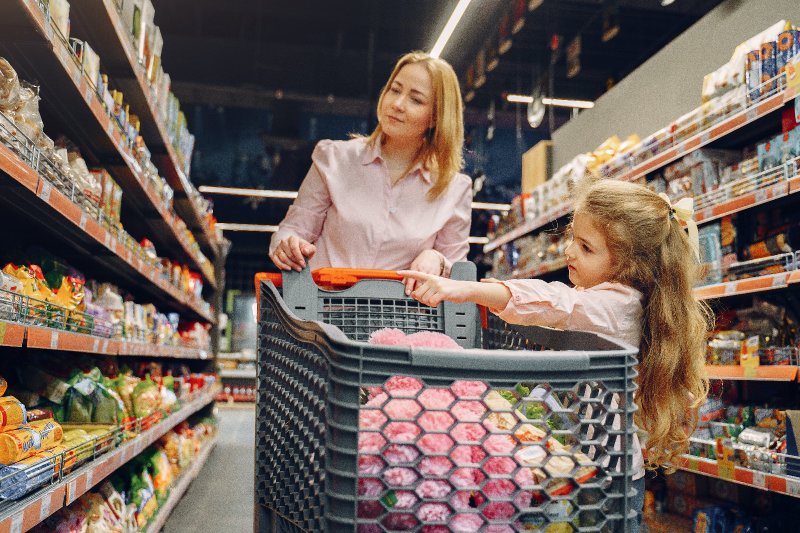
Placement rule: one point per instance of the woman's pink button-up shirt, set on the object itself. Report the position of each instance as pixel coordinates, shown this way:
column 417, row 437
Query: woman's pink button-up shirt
column 348, row 207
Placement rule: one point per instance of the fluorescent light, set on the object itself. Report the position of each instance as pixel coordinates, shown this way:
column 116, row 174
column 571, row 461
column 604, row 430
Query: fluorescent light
column 261, row 193
column 561, row 102
column 582, row 104
column 519, row 99
column 490, row 206
column 436, row 51
column 228, row 226
column 478, row 240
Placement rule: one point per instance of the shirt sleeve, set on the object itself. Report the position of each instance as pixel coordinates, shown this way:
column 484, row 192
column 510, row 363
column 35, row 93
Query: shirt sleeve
column 307, row 213
column 453, row 239
column 537, row 303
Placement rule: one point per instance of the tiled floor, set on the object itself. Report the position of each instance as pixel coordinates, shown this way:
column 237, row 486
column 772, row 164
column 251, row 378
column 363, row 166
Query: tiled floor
column 221, row 498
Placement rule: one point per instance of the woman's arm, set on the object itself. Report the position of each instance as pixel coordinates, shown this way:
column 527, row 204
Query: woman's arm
column 452, row 241
column 301, row 226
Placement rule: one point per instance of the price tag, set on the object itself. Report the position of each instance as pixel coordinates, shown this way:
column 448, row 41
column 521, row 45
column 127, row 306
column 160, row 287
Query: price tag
column 694, row 464
column 752, row 114
column 95, row 345
column 71, row 490
column 726, row 468
column 793, row 487
column 107, row 240
column 751, row 372
column 54, row 340
column 759, row 479
column 705, row 137
column 708, row 212
column 110, row 128
column 17, row 521
column 105, row 346
column 761, row 196
column 730, row 288
column 44, row 510
column 89, row 479
column 779, row 280
column 46, row 190
column 3, row 327
column 82, row 222
column 48, row 31
column 87, row 95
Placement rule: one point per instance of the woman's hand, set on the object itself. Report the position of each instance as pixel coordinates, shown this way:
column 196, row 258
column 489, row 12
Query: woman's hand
column 427, row 262
column 432, row 290
column 291, row 253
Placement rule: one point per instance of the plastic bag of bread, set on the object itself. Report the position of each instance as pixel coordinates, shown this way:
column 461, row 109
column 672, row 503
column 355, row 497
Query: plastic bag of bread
column 146, row 398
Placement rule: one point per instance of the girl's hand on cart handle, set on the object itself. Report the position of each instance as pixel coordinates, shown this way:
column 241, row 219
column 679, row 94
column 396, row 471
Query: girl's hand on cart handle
column 432, row 290
column 291, row 253
column 427, row 262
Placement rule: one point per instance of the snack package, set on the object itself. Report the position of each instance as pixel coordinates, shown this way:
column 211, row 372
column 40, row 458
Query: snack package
column 9, row 87
column 145, row 398
column 12, row 413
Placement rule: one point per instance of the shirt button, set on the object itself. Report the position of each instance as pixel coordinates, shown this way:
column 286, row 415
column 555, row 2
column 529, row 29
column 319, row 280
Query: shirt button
column 392, row 210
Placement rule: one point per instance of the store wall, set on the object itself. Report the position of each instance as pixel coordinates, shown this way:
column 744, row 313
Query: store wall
column 669, row 83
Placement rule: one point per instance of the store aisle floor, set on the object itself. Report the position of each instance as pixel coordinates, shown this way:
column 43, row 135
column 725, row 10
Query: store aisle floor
column 221, row 498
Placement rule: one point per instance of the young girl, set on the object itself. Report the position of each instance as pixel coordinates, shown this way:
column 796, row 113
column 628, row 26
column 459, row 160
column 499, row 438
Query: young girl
column 633, row 268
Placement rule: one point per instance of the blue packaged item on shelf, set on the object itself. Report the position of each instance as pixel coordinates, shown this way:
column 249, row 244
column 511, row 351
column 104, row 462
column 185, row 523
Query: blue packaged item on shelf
column 769, row 67
column 709, row 520
column 711, row 253
column 770, row 153
column 19, row 479
column 787, row 48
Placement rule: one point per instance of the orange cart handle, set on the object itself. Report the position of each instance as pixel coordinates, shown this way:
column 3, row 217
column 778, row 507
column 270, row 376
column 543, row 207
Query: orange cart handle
column 339, row 278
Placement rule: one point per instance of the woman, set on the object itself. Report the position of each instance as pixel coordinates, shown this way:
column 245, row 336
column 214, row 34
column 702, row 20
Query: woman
column 395, row 199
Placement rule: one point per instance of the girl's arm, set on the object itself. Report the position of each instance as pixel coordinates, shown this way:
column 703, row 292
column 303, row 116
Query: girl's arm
column 433, row 290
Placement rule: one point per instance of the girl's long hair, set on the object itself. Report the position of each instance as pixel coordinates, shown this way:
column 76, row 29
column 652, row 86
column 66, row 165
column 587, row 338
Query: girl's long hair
column 651, row 252
column 442, row 152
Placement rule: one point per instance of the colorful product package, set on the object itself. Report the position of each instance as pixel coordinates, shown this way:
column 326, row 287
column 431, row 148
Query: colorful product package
column 769, row 68
column 786, row 48
column 12, row 413
column 752, row 75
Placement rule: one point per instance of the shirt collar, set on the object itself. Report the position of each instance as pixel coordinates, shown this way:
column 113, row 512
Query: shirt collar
column 373, row 153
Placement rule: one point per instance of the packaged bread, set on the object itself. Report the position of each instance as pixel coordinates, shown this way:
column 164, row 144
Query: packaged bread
column 12, row 413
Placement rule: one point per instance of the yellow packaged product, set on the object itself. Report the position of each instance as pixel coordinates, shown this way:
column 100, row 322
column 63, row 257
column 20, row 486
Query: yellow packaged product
column 12, row 413
column 50, row 432
column 3, row 385
column 18, row 444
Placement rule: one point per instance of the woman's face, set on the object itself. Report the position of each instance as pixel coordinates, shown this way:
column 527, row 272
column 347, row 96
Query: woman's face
column 406, row 111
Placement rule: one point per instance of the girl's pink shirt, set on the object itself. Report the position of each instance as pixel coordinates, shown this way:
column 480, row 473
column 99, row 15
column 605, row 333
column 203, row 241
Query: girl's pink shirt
column 609, row 308
column 348, row 207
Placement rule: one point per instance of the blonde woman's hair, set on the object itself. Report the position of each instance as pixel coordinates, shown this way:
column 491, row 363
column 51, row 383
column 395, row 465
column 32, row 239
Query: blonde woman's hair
column 651, row 253
column 442, row 150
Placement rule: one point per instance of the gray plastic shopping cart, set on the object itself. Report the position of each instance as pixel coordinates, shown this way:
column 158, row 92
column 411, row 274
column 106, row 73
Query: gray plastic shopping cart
column 525, row 429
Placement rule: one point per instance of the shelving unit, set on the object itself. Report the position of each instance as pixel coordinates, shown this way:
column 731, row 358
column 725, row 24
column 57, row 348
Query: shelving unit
column 180, row 488
column 24, row 514
column 744, row 476
column 70, row 105
column 99, row 22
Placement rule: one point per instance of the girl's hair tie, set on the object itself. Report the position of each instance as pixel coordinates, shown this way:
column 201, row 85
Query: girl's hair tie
column 683, row 211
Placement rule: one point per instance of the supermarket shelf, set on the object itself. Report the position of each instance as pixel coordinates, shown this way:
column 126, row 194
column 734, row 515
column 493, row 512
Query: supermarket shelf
column 746, row 286
column 238, row 398
column 743, row 476
column 760, row 373
column 11, row 334
column 746, row 201
column 715, row 132
column 86, row 477
column 99, row 22
column 180, row 488
column 528, row 227
column 44, row 338
column 26, row 513
column 239, row 373
column 540, row 270
column 70, row 97
column 236, row 356
column 40, row 201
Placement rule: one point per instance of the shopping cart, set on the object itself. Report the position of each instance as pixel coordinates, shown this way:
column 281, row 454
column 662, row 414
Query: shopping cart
column 527, row 429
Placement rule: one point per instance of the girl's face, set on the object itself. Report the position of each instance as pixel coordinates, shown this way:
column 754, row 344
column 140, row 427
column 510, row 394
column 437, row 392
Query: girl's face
column 406, row 111
column 588, row 258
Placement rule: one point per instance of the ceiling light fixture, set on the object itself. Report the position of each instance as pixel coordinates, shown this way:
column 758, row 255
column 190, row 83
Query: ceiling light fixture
column 259, row 193
column 230, row 226
column 665, row 3
column 491, row 206
column 436, row 51
column 560, row 102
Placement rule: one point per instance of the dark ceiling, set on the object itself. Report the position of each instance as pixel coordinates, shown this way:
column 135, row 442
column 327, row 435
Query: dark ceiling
column 332, row 56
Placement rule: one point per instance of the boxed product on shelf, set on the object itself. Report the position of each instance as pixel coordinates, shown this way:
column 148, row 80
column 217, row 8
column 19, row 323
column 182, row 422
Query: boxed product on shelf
column 732, row 74
column 90, row 61
column 787, row 48
column 769, row 67
column 59, row 13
